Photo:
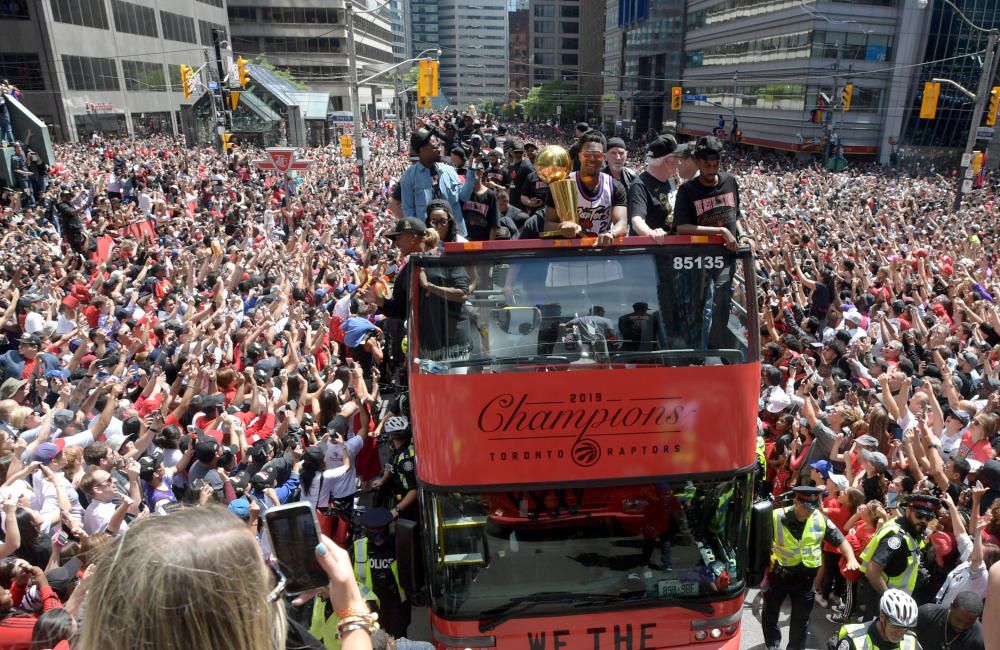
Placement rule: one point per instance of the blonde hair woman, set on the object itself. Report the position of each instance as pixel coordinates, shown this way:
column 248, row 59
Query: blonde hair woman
column 195, row 578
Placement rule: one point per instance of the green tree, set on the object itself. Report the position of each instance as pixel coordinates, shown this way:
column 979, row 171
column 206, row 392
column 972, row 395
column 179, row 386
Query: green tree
column 261, row 60
column 542, row 101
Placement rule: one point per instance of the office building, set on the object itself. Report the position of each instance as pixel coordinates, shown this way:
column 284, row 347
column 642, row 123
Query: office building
column 473, row 42
column 779, row 68
column 519, row 51
column 105, row 66
column 642, row 61
column 309, row 40
column 953, row 51
column 400, row 26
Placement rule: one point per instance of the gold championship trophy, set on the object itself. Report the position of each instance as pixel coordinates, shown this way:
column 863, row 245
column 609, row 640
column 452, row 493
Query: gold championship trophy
column 553, row 166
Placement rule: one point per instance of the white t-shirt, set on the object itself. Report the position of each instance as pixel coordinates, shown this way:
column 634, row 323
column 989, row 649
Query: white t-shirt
column 963, row 577
column 64, row 325
column 319, row 492
column 347, row 483
column 45, row 500
column 98, row 515
column 33, row 322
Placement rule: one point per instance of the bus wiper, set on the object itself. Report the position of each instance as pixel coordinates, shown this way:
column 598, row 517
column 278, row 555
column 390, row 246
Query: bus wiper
column 490, row 619
column 683, row 353
column 534, row 359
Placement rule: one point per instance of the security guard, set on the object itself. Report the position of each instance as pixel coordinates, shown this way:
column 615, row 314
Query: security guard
column 377, row 573
column 400, row 474
column 796, row 553
column 890, row 631
column 892, row 558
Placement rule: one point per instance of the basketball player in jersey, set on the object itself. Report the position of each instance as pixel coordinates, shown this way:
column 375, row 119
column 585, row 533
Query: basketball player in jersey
column 601, row 200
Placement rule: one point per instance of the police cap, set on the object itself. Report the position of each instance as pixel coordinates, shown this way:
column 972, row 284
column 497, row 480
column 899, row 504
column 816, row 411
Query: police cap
column 376, row 518
column 808, row 495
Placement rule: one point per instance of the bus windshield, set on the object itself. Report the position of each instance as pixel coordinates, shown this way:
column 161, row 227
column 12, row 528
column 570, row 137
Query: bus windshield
column 580, row 308
column 492, row 555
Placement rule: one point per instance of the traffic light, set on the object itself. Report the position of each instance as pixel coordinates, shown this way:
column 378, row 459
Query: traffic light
column 991, row 113
column 845, row 96
column 427, row 81
column 816, row 116
column 928, row 106
column 676, row 97
column 346, row 146
column 187, row 80
column 227, row 141
column 977, row 161
column 234, row 99
column 423, row 102
column 243, row 75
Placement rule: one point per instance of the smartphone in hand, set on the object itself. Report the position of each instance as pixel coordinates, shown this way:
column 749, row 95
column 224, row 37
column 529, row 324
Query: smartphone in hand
column 294, row 535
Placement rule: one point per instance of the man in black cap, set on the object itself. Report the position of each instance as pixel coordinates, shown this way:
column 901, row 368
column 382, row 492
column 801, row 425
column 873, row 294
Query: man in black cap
column 428, row 178
column 408, row 236
column 797, row 552
column 891, row 560
column 27, row 362
column 582, row 128
column 377, row 573
column 70, row 225
column 206, row 451
column 614, row 165
column 521, row 177
column 650, row 198
column 710, row 205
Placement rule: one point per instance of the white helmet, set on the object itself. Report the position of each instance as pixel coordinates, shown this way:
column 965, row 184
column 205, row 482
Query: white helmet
column 899, row 607
column 397, row 425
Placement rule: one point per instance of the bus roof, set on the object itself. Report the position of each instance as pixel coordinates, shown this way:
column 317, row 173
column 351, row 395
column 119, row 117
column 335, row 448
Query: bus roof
column 585, row 242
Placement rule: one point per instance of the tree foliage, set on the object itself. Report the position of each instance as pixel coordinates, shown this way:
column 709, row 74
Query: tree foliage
column 261, row 60
column 543, row 100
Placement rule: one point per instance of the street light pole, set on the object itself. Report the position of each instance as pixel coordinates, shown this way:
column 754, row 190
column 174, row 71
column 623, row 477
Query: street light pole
column 982, row 94
column 352, row 60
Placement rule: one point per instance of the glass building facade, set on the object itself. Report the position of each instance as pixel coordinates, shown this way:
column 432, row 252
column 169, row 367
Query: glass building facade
column 954, row 51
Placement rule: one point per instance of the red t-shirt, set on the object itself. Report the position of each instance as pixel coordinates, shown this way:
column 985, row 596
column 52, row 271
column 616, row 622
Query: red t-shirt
column 839, row 515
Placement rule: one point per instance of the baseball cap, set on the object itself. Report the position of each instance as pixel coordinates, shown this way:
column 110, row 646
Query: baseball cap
column 420, row 137
column 30, row 339
column 582, row 126
column 240, row 507
column 61, row 577
column 839, row 480
column 708, row 146
column 45, row 452
column 10, row 386
column 867, row 441
column 616, row 143
column 664, row 145
column 408, row 224
column 517, row 144
column 62, row 418
column 823, row 467
column 877, row 459
column 338, row 424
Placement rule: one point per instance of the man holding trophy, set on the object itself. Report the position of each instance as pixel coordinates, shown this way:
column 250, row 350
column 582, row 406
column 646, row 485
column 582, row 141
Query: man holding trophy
column 584, row 203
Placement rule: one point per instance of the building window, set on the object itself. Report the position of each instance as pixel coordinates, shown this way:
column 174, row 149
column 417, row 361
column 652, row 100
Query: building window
column 569, row 11
column 784, row 46
column 853, row 45
column 178, row 28
column 22, row 70
column 87, row 13
column 568, row 59
column 545, row 43
column 545, row 27
column 363, row 27
column 214, row 3
column 14, row 10
column 90, row 73
column 131, row 18
column 545, row 11
column 143, row 76
column 299, row 15
column 205, row 30
column 570, row 28
column 570, row 44
column 174, row 75
column 242, row 14
column 544, row 58
column 282, row 44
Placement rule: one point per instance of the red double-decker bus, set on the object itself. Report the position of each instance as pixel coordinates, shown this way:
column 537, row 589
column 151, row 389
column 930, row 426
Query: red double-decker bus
column 585, row 428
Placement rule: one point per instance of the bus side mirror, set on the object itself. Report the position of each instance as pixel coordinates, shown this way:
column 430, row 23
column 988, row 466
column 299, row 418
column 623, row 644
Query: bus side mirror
column 408, row 560
column 760, row 541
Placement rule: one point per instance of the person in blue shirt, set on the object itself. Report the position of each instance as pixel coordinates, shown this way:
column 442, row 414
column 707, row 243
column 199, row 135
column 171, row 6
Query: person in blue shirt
column 428, row 179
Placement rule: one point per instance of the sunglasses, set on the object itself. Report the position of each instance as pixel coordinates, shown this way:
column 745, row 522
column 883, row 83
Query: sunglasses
column 592, row 155
column 923, row 516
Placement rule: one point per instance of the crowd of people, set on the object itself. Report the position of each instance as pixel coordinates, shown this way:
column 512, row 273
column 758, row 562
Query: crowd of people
column 187, row 335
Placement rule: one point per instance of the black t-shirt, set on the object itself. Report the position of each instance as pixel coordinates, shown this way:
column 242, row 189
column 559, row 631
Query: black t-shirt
column 932, row 633
column 708, row 206
column 533, row 227
column 498, row 175
column 515, row 215
column 481, row 215
column 519, row 175
column 648, row 197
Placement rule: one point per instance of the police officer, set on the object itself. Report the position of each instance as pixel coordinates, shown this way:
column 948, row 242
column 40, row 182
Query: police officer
column 377, row 572
column 890, row 631
column 892, row 558
column 400, row 474
column 797, row 552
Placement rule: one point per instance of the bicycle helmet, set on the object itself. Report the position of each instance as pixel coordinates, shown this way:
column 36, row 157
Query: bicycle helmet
column 899, row 607
column 398, row 425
